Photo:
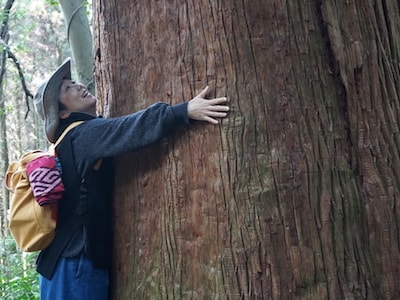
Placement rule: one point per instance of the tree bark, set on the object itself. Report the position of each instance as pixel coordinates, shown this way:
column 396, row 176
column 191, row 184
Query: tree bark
column 294, row 196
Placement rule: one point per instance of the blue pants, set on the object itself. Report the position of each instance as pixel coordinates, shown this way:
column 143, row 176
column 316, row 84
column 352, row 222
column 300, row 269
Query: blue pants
column 75, row 279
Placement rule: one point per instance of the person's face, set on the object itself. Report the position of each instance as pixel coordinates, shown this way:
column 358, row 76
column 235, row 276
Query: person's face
column 75, row 97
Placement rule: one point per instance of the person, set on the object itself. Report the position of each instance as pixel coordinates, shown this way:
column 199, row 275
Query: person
column 75, row 265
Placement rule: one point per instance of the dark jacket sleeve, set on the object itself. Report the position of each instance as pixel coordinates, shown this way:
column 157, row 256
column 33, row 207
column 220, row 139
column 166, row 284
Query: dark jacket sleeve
column 102, row 138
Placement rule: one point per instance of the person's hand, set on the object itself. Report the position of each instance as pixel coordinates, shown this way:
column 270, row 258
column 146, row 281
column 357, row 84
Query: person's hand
column 208, row 110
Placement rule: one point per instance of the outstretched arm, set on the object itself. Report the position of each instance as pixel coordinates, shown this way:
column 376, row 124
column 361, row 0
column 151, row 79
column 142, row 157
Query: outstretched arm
column 208, row 110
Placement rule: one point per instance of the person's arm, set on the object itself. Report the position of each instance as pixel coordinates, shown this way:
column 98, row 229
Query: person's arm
column 100, row 138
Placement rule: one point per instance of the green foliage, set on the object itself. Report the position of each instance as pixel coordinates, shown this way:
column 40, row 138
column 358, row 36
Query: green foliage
column 52, row 2
column 86, row 3
column 8, row 109
column 18, row 278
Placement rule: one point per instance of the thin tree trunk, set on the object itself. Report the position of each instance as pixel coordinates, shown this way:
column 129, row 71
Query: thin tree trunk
column 294, row 196
column 80, row 39
column 4, row 36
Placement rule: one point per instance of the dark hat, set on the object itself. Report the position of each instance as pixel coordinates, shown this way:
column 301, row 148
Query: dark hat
column 47, row 96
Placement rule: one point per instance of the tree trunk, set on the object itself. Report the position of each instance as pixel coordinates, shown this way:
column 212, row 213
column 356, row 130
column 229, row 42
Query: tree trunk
column 294, row 196
column 4, row 36
column 80, row 39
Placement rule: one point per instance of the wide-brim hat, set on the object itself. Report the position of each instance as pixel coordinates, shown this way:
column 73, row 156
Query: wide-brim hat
column 46, row 100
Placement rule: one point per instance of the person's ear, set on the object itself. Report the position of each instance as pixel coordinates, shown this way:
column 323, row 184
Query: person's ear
column 63, row 114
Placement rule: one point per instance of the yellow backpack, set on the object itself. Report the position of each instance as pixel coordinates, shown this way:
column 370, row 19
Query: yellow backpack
column 32, row 226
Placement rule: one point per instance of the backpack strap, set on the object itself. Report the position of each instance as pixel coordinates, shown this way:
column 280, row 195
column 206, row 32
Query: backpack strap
column 48, row 258
column 96, row 166
column 64, row 133
column 70, row 126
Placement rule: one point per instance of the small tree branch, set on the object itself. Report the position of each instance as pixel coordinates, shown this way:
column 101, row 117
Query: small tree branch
column 28, row 94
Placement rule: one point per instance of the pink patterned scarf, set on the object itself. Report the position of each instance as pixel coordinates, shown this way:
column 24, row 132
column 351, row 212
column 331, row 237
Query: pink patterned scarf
column 45, row 179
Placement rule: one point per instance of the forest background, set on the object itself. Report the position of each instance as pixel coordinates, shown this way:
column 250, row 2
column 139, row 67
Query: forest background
column 35, row 42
